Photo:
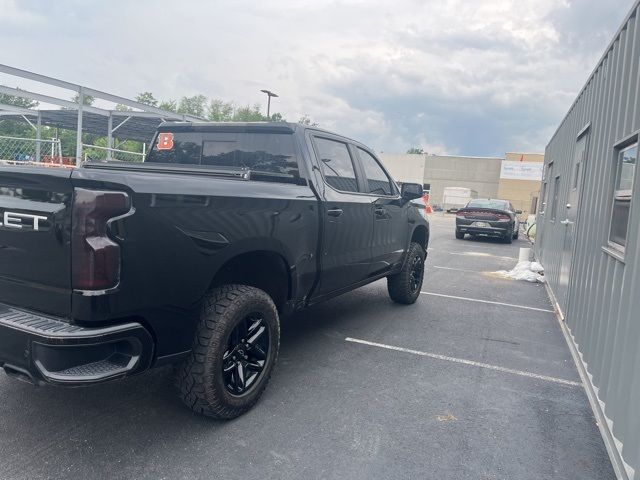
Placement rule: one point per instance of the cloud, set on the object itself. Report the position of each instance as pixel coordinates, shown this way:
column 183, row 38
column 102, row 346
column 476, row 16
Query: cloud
column 477, row 78
column 13, row 15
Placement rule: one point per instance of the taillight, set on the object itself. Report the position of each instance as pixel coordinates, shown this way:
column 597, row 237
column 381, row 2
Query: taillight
column 95, row 263
column 460, row 214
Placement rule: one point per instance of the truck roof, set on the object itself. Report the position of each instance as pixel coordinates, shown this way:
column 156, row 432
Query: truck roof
column 266, row 127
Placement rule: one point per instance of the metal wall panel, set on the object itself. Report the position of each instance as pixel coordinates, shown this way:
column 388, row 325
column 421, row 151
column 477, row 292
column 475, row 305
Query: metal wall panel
column 602, row 305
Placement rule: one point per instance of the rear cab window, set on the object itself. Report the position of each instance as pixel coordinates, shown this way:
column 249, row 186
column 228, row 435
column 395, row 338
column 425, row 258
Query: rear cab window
column 268, row 156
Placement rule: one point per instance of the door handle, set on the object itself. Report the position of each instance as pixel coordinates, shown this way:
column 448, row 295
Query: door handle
column 334, row 212
column 380, row 210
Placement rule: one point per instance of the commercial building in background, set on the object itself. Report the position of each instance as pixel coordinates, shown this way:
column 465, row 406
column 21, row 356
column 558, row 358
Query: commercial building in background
column 589, row 240
column 515, row 178
column 520, row 177
column 405, row 168
column 479, row 174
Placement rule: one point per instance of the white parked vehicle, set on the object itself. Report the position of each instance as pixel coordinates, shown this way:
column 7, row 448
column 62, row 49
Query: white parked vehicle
column 455, row 198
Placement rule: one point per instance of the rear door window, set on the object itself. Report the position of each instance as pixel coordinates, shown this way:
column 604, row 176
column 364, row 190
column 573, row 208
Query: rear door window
column 337, row 165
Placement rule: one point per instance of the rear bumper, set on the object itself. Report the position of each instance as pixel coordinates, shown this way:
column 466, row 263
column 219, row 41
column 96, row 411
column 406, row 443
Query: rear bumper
column 42, row 349
column 496, row 229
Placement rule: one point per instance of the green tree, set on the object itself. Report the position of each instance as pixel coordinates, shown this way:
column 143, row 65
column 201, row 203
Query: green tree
column 249, row 113
column 88, row 99
column 18, row 101
column 416, row 150
column 169, row 105
column 123, row 108
column 220, row 111
column 306, row 120
column 277, row 117
column 195, row 105
column 147, row 98
column 13, row 128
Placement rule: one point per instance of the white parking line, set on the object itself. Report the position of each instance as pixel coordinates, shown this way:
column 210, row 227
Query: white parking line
column 483, row 255
column 456, row 269
column 488, row 301
column 463, row 361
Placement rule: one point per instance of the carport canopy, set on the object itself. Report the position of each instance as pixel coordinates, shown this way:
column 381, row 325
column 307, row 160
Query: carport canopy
column 138, row 122
column 125, row 125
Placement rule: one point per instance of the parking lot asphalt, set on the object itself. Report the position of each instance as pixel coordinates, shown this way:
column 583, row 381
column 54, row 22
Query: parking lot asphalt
column 474, row 381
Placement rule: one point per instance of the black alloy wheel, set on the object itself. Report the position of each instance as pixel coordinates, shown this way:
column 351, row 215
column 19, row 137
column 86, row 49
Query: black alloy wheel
column 417, row 271
column 246, row 354
column 404, row 286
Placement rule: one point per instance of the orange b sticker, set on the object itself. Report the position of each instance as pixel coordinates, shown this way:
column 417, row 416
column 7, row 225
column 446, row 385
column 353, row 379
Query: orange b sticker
column 165, row 141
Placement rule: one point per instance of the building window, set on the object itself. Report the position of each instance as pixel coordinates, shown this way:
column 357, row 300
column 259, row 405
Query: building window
column 545, row 188
column 556, row 194
column 626, row 161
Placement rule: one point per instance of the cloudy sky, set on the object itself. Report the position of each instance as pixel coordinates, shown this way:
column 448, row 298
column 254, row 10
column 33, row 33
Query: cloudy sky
column 473, row 77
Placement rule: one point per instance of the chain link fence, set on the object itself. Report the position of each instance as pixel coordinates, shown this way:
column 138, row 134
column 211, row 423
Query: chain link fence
column 14, row 150
column 93, row 152
column 19, row 150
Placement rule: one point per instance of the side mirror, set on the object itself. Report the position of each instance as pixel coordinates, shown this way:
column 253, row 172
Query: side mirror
column 410, row 191
column 518, row 212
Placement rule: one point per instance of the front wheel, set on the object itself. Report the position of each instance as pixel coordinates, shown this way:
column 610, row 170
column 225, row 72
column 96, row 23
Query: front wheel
column 404, row 287
column 233, row 352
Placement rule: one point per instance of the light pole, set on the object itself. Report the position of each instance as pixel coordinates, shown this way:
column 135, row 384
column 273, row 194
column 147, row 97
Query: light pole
column 269, row 95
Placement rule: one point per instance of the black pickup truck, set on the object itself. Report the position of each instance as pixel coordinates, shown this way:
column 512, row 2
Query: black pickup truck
column 192, row 256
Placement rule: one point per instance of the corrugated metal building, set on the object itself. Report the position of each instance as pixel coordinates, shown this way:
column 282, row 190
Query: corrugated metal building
column 589, row 240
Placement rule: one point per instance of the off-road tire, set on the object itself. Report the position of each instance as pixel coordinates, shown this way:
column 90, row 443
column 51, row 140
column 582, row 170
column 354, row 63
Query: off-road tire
column 399, row 285
column 459, row 234
column 200, row 377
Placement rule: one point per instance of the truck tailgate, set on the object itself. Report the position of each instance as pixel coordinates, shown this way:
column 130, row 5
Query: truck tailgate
column 35, row 262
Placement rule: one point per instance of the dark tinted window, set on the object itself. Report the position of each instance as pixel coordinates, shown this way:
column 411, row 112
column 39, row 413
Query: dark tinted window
column 377, row 180
column 337, row 166
column 269, row 156
column 185, row 148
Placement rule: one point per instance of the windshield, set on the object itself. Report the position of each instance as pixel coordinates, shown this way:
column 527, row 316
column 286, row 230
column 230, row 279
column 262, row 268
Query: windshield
column 269, row 156
column 487, row 203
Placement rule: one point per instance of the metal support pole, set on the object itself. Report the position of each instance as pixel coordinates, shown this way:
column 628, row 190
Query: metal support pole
column 109, row 135
column 268, row 105
column 79, row 129
column 144, row 151
column 38, row 137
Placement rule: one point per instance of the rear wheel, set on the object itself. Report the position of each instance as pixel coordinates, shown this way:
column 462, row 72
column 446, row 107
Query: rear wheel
column 516, row 232
column 233, row 353
column 404, row 287
column 508, row 238
column 459, row 234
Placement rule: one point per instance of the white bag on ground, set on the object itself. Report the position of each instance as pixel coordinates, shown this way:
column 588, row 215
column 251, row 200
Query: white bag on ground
column 525, row 270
